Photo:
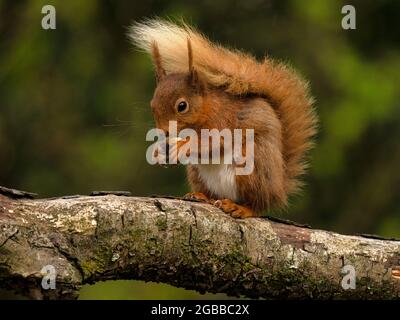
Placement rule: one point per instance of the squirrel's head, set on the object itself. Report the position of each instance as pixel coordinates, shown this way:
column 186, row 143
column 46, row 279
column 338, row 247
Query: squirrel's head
column 178, row 97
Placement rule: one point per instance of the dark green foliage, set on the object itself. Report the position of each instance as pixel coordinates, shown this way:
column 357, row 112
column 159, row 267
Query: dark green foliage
column 74, row 102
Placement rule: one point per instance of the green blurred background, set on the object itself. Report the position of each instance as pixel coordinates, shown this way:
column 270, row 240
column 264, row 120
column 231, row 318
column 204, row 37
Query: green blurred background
column 74, row 104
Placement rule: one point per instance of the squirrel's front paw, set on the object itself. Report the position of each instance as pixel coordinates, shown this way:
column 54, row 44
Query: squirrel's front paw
column 233, row 209
column 176, row 151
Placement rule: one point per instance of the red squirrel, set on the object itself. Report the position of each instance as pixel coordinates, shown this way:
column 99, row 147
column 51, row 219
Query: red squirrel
column 202, row 85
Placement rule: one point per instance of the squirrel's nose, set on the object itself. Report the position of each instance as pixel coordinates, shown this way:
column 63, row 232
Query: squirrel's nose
column 166, row 151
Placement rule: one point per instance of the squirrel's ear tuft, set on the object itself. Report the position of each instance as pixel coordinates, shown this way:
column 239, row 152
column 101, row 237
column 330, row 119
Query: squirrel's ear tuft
column 160, row 72
column 190, row 56
column 194, row 79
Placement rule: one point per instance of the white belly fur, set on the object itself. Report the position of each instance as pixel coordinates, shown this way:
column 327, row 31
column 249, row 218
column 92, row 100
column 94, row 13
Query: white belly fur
column 219, row 179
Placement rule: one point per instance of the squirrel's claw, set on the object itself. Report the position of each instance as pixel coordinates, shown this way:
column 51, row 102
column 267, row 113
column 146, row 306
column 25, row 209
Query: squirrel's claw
column 233, row 209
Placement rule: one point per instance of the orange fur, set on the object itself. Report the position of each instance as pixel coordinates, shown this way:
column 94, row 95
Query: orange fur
column 234, row 90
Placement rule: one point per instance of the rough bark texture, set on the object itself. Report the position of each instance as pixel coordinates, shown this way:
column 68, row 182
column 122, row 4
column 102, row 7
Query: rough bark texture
column 186, row 244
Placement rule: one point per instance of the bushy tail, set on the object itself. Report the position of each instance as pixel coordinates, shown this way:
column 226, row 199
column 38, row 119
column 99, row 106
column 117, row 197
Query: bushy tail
column 239, row 73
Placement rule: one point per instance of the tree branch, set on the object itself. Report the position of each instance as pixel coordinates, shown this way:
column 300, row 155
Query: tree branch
column 186, row 244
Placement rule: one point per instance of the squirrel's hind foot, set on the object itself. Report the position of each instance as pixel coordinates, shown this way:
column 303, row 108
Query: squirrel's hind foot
column 233, row 209
column 196, row 196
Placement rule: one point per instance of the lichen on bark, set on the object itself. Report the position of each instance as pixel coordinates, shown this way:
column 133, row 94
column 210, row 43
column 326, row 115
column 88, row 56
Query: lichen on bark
column 186, row 244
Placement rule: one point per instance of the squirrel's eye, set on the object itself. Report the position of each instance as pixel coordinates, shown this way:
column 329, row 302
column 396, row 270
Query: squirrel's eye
column 182, row 107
